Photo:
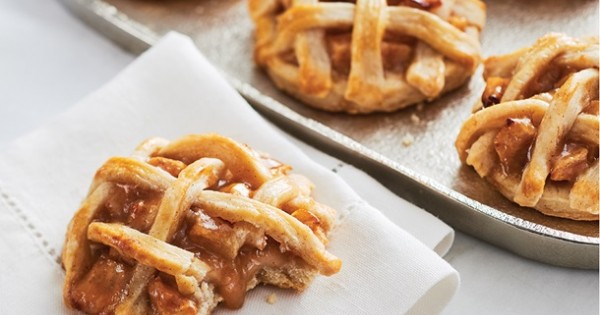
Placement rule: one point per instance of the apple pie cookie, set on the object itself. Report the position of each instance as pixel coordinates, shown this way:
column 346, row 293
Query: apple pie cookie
column 178, row 227
column 534, row 135
column 367, row 55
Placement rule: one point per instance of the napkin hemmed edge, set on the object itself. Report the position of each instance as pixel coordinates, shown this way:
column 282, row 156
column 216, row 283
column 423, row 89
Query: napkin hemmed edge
column 28, row 224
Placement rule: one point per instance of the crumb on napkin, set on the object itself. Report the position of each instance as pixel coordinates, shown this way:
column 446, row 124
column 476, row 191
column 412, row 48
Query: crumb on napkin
column 272, row 298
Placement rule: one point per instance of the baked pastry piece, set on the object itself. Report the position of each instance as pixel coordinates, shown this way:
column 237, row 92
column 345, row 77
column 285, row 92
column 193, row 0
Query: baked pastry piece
column 367, row 55
column 180, row 226
column 534, row 135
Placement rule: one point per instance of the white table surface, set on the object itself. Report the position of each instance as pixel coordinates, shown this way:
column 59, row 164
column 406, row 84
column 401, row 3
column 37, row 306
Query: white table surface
column 49, row 60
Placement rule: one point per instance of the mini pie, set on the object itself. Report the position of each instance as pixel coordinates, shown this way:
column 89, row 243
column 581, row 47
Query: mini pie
column 180, row 226
column 367, row 55
column 534, row 135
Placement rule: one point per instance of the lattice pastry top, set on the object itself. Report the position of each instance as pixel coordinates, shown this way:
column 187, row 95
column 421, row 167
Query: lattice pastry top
column 367, row 55
column 180, row 226
column 534, row 135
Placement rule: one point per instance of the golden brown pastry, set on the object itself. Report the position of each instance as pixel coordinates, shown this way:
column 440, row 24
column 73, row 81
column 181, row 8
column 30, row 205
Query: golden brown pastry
column 367, row 55
column 534, row 135
column 178, row 227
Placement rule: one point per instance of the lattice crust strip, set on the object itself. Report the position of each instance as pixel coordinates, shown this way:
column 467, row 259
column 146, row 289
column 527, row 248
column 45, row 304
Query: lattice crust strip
column 367, row 56
column 180, row 226
column 534, row 135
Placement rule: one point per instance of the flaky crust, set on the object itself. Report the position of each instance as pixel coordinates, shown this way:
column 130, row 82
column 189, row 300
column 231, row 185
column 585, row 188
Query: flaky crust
column 554, row 86
column 444, row 54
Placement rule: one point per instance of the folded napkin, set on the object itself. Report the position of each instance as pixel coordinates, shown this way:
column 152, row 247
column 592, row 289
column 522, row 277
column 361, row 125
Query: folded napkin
column 172, row 91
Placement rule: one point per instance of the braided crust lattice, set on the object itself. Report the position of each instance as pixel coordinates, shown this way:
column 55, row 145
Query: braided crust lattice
column 369, row 56
column 180, row 226
column 534, row 136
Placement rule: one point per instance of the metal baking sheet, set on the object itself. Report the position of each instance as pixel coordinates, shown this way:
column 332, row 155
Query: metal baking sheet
column 427, row 172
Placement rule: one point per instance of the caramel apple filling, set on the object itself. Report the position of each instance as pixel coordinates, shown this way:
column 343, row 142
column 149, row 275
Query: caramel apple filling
column 102, row 288
column 235, row 253
column 172, row 231
column 571, row 162
column 513, row 144
column 494, row 89
column 166, row 299
column 546, row 82
column 396, row 52
column 419, row 4
column 233, row 275
column 131, row 206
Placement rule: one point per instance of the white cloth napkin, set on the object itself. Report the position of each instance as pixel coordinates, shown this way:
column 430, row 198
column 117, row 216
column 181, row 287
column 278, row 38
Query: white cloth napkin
column 171, row 91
